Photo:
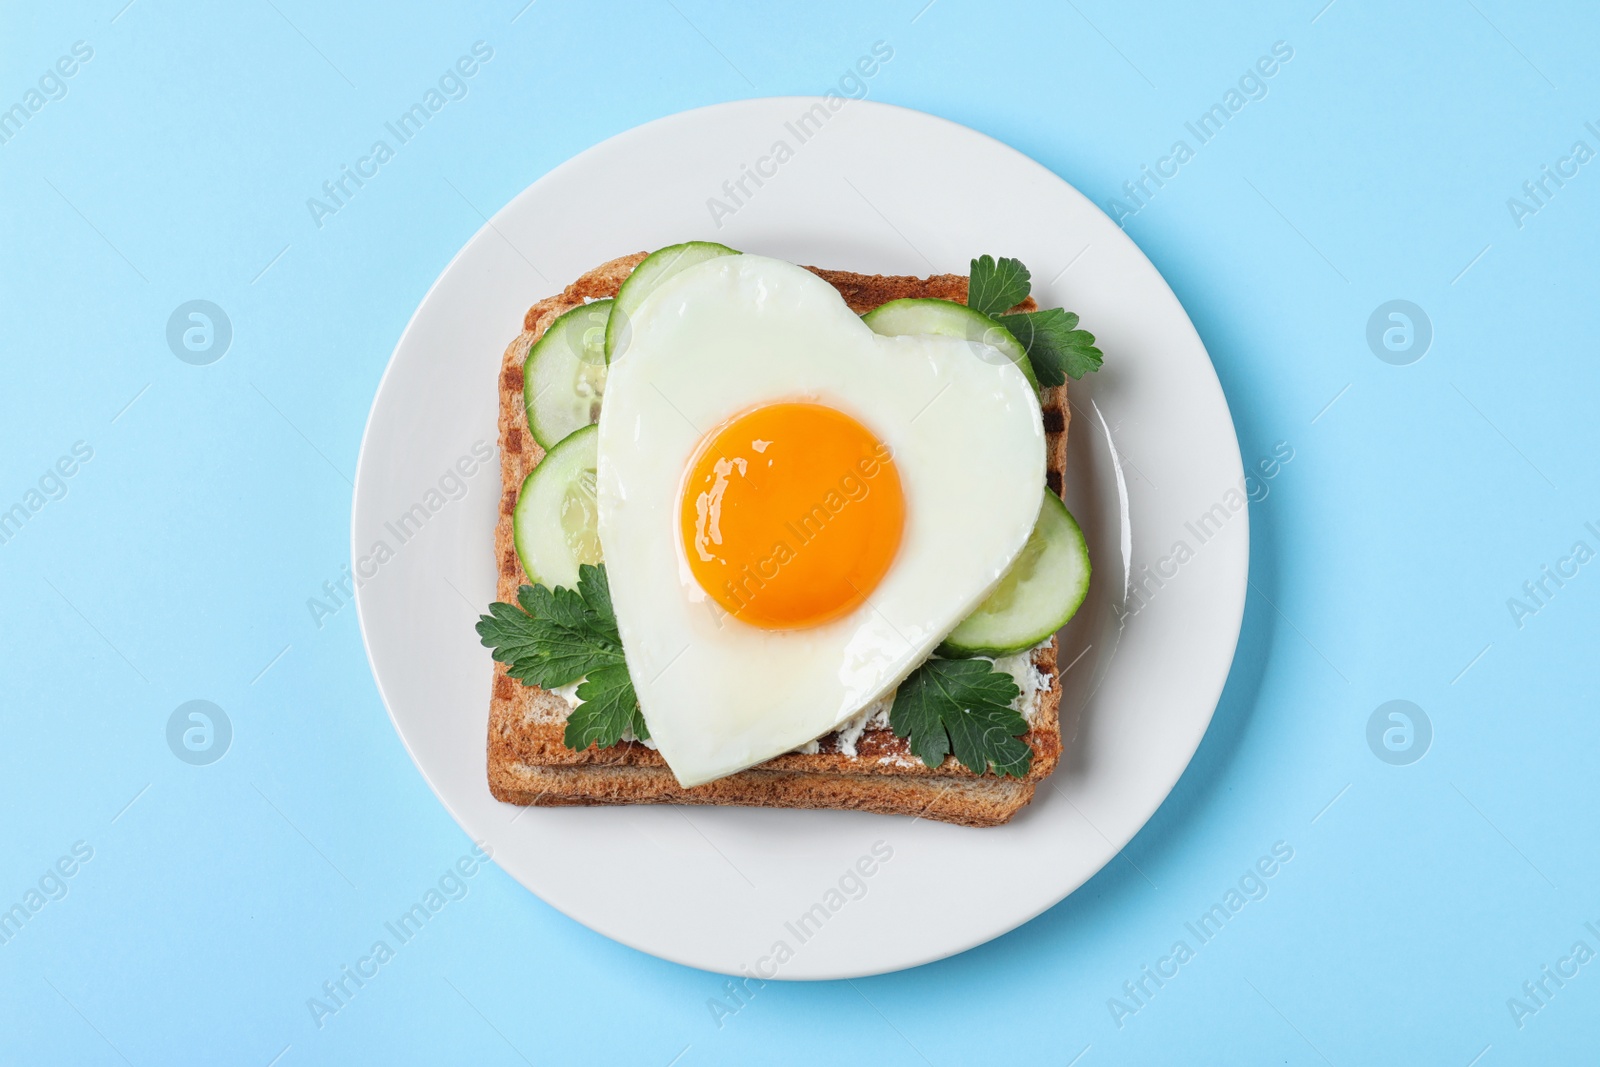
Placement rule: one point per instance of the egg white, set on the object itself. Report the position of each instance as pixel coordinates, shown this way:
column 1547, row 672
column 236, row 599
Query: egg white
column 967, row 437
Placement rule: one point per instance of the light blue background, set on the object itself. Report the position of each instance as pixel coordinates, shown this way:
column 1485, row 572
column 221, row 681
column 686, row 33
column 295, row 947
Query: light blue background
column 178, row 564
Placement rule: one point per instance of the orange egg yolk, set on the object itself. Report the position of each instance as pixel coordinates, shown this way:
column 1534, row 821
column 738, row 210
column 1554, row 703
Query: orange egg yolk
column 791, row 515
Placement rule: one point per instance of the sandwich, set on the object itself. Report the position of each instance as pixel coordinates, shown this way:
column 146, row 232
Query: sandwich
column 782, row 536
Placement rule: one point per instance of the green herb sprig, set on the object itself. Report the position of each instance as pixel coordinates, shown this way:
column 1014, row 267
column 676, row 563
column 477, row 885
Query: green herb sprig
column 1056, row 348
column 553, row 637
column 963, row 706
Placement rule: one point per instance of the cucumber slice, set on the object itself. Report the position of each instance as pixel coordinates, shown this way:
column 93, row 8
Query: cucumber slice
column 656, row 268
column 556, row 523
column 565, row 373
column 1040, row 592
column 946, row 318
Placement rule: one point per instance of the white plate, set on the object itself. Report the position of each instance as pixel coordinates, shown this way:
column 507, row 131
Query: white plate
column 874, row 188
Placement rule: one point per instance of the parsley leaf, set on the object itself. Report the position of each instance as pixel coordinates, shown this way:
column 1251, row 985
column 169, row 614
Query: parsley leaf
column 609, row 707
column 554, row 637
column 595, row 589
column 1056, row 347
column 994, row 286
column 962, row 705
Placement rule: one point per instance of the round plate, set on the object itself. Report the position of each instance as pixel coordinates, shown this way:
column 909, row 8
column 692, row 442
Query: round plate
column 1153, row 463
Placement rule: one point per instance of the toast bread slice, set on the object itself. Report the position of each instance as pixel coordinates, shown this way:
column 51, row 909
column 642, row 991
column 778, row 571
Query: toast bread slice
column 527, row 762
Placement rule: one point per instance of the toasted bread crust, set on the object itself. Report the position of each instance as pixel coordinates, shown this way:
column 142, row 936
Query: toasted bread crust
column 969, row 801
column 529, row 764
